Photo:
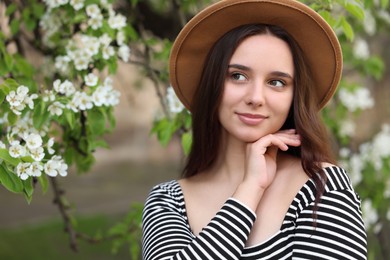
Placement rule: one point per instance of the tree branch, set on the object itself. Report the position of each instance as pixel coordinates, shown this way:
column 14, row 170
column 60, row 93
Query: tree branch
column 63, row 208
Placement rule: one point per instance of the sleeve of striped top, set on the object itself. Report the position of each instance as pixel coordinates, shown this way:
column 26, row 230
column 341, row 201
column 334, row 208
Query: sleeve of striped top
column 337, row 233
column 166, row 234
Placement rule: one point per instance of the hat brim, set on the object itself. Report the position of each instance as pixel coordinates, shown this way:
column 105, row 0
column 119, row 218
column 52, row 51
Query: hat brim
column 312, row 33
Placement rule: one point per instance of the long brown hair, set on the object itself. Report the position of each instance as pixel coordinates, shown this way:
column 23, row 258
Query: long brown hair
column 303, row 116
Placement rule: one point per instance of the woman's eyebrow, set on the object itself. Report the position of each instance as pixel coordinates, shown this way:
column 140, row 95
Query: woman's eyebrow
column 239, row 66
column 273, row 73
column 281, row 74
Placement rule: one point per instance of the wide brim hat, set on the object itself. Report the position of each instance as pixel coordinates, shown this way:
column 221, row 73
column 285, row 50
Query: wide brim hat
column 313, row 34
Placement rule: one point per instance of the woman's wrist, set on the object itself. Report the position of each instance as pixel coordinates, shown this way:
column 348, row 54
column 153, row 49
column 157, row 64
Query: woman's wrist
column 249, row 194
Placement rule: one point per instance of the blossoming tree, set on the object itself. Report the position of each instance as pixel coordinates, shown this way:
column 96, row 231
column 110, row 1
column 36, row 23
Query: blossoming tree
column 55, row 115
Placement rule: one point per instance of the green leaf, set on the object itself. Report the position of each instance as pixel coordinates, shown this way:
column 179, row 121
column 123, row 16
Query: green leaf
column 40, row 114
column 11, row 9
column 375, row 67
column 347, row 28
column 163, row 129
column 131, row 32
column 70, row 118
column 28, row 189
column 69, row 155
column 44, row 182
column 112, row 65
column 12, row 118
column 2, row 96
column 385, row 3
column 38, row 10
column 4, row 154
column 186, row 142
column 99, row 143
column 355, row 9
column 10, row 181
column 14, row 26
column 96, row 121
column 8, row 85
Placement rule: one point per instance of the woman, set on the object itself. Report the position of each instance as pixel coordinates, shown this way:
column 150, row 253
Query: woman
column 260, row 181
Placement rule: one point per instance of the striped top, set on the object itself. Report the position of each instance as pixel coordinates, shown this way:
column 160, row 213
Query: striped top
column 337, row 233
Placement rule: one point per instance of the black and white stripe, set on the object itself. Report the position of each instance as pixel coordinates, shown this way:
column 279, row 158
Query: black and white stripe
column 337, row 233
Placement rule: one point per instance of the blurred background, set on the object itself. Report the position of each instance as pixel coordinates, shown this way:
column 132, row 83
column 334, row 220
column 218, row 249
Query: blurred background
column 116, row 186
column 121, row 176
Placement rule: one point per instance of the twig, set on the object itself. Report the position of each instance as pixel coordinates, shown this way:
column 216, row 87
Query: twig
column 58, row 199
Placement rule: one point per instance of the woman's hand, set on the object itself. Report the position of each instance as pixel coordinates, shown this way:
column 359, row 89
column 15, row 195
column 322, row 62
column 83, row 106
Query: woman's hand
column 261, row 156
column 261, row 165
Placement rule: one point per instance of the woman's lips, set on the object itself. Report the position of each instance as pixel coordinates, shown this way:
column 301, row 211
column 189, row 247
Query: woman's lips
column 251, row 119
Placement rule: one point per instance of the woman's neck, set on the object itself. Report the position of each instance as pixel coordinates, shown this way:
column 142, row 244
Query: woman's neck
column 230, row 163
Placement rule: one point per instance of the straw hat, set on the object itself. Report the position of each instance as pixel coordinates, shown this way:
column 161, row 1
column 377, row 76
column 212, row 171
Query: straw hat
column 313, row 34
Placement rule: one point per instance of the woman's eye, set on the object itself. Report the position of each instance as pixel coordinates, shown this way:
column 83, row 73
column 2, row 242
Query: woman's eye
column 238, row 76
column 277, row 83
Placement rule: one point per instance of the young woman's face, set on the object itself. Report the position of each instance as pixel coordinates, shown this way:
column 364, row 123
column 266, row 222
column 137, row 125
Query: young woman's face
column 258, row 89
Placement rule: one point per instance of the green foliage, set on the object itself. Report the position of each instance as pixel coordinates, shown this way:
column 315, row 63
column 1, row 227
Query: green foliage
column 57, row 32
column 128, row 232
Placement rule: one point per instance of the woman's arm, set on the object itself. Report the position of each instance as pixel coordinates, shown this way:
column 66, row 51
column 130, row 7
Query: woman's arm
column 166, row 234
column 338, row 231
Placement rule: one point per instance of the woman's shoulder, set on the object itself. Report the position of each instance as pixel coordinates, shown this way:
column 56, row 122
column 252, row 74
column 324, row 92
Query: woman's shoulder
column 337, row 178
column 169, row 188
column 167, row 194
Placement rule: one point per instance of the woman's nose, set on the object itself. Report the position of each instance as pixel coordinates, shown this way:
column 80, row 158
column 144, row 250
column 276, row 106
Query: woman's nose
column 255, row 95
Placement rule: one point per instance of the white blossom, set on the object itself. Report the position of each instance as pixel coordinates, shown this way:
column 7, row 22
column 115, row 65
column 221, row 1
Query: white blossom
column 360, row 98
column 56, row 108
column 369, row 23
column 77, row 4
column 370, row 214
column 81, row 62
column 120, row 38
column 23, row 170
column 36, row 169
column 108, row 82
column 14, row 99
column 91, row 79
column 386, row 194
column 105, row 39
column 55, row 3
column 62, row 64
column 99, row 95
column 29, row 100
column 361, row 49
column 117, row 21
column 50, row 144
column 93, row 10
column 85, row 102
column 22, row 91
column 90, row 45
column 66, row 88
column 124, row 53
column 48, row 95
column 2, row 145
column 96, row 22
column 16, row 150
column 37, row 154
column 108, row 52
column 56, row 166
column 174, row 104
column 347, row 128
column 384, row 15
column 72, row 105
column 33, row 141
column 356, row 168
column 21, row 129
